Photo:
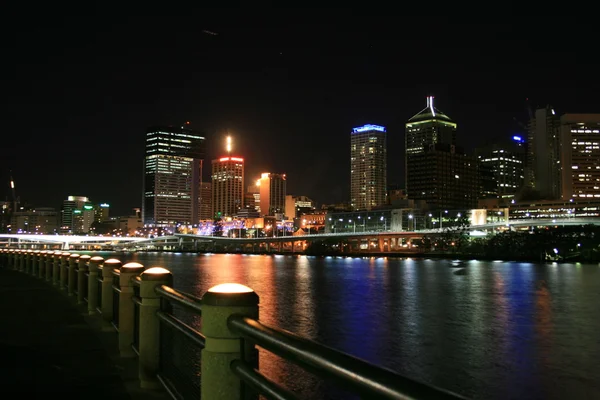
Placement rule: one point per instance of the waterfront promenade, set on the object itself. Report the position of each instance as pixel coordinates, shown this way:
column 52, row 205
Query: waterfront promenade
column 50, row 346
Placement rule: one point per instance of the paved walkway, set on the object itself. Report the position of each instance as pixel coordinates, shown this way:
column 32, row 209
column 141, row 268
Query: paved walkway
column 50, row 346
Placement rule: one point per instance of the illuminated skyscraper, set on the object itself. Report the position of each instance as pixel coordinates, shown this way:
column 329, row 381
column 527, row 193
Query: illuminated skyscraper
column 227, row 185
column 172, row 175
column 437, row 171
column 544, row 146
column 272, row 194
column 368, row 167
column 580, row 158
column 77, row 215
column 205, row 212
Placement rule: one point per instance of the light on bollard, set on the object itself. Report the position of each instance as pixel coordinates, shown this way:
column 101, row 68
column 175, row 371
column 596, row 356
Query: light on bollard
column 230, row 288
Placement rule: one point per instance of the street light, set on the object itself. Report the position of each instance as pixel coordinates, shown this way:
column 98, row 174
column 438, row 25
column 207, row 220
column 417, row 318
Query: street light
column 445, row 212
column 363, row 223
column 354, row 225
column 410, row 217
column 384, row 223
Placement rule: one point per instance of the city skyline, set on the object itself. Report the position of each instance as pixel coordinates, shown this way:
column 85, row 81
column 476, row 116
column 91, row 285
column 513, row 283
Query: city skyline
column 301, row 91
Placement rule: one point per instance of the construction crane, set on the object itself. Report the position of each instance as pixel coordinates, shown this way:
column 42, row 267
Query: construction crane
column 14, row 195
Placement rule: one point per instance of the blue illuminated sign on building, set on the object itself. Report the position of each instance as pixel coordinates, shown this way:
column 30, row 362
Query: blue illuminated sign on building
column 518, row 138
column 368, row 127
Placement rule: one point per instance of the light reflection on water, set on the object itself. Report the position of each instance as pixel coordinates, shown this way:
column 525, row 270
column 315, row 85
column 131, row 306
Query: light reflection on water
column 492, row 330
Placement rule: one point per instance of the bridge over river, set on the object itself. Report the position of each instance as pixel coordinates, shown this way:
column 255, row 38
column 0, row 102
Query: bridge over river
column 386, row 242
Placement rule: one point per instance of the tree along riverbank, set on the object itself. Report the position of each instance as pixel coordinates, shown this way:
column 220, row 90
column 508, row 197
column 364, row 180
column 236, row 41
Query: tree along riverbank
column 558, row 243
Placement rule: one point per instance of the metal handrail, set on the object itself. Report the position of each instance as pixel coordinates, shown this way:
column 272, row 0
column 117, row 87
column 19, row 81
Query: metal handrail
column 261, row 383
column 186, row 300
column 365, row 378
column 182, row 327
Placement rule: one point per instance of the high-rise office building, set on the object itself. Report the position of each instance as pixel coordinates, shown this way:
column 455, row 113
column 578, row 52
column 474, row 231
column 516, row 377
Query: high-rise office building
column 368, row 167
column 580, row 156
column 437, row 171
column 544, row 153
column 506, row 161
column 227, row 186
column 101, row 212
column 172, row 175
column 445, row 178
column 428, row 127
column 205, row 212
column 272, row 194
column 83, row 218
column 73, row 205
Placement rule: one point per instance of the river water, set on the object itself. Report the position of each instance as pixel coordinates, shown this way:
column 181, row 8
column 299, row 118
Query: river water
column 485, row 330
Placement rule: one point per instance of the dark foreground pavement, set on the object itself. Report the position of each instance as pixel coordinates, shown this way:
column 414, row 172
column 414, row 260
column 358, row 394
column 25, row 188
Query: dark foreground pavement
column 50, row 346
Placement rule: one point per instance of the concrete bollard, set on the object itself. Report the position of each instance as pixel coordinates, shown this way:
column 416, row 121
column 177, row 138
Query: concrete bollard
column 35, row 262
column 149, row 327
column 223, row 346
column 42, row 264
column 22, row 254
column 92, row 296
column 56, row 268
column 21, row 258
column 82, row 268
column 28, row 262
column 48, row 265
column 14, row 261
column 64, row 262
column 107, row 287
column 126, row 307
column 72, row 274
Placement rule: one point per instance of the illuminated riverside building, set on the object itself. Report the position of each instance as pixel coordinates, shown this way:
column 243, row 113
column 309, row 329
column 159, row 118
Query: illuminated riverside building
column 227, row 186
column 101, row 212
column 75, row 206
column 580, row 156
column 272, row 194
column 544, row 153
column 172, row 175
column 205, row 211
column 437, row 171
column 581, row 208
column 368, row 167
column 506, row 162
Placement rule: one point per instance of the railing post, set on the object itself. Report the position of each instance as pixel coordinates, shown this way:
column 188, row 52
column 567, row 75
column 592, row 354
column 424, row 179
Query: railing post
column 71, row 274
column 93, row 284
column 56, row 268
column 82, row 269
column 64, row 260
column 222, row 345
column 149, row 325
column 107, row 290
column 19, row 266
column 126, row 307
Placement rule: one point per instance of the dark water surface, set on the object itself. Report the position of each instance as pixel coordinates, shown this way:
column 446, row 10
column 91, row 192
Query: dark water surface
column 491, row 330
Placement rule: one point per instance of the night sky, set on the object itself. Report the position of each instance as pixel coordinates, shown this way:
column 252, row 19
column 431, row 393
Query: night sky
column 79, row 92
